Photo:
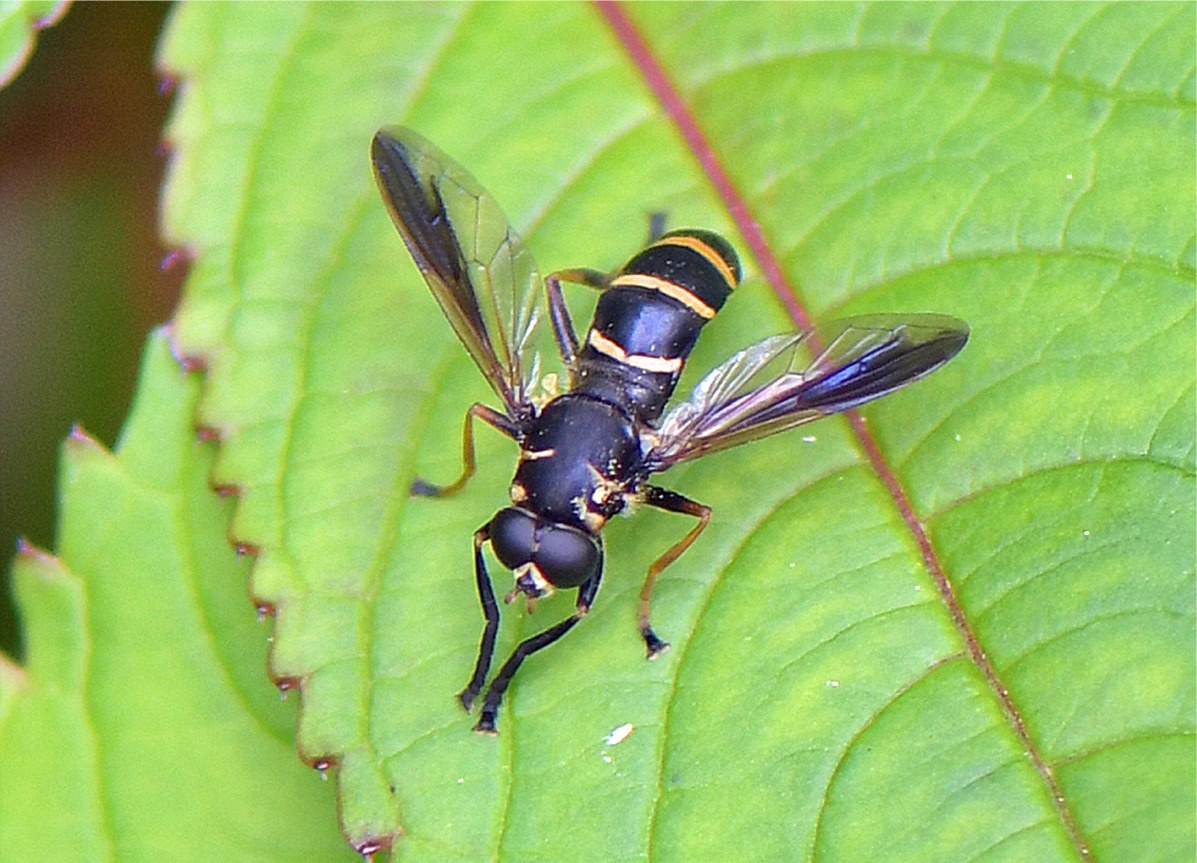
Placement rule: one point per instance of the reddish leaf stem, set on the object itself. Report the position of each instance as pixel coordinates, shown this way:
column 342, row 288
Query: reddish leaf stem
column 671, row 100
column 675, row 106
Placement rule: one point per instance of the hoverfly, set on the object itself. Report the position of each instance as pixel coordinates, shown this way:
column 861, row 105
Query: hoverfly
column 587, row 453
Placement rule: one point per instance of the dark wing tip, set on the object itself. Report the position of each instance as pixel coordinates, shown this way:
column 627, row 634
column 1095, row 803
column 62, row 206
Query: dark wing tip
column 909, row 348
column 947, row 334
column 387, row 152
column 953, row 343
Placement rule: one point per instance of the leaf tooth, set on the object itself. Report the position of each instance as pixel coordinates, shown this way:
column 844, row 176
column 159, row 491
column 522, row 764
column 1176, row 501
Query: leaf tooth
column 80, row 438
column 286, row 683
column 79, row 451
column 245, row 549
column 29, row 551
column 190, row 362
column 180, row 256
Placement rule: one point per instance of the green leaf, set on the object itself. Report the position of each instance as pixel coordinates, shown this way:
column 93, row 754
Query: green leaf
column 19, row 20
column 140, row 728
column 976, row 643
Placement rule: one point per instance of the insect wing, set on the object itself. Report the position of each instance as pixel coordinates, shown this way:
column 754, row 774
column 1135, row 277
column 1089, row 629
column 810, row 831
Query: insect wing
column 476, row 265
column 865, row 358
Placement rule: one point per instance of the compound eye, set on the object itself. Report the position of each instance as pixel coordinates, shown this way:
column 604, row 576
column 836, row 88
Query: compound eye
column 513, row 537
column 566, row 556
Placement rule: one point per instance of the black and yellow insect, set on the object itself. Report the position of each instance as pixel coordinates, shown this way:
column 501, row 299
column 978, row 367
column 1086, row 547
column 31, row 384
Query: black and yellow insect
column 589, row 452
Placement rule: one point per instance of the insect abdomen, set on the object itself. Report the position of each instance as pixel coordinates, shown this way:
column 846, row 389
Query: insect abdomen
column 650, row 315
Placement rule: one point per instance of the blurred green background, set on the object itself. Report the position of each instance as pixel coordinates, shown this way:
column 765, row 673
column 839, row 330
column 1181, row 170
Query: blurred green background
column 81, row 162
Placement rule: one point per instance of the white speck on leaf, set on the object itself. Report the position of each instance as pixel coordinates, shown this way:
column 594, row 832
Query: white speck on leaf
column 620, row 734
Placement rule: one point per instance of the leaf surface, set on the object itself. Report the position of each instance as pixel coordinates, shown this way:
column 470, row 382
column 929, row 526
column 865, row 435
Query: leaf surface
column 139, row 728
column 963, row 629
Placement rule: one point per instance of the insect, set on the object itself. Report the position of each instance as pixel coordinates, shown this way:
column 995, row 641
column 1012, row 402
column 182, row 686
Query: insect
column 588, row 453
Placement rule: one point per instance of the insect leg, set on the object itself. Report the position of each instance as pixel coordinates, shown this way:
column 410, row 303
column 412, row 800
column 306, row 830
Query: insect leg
column 663, row 498
column 494, row 695
column 656, row 226
column 488, row 415
column 563, row 325
column 490, row 610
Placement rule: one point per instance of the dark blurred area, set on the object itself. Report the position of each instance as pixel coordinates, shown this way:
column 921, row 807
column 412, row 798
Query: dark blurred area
column 80, row 281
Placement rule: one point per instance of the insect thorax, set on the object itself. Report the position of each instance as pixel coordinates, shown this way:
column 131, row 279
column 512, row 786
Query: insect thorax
column 577, row 460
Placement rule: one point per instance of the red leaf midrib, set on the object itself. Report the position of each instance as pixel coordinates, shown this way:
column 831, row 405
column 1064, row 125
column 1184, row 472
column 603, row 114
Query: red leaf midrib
column 662, row 87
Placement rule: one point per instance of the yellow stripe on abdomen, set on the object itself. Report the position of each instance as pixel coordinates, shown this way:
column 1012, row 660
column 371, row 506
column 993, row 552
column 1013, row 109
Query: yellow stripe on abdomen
column 670, row 289
column 609, row 348
column 703, row 248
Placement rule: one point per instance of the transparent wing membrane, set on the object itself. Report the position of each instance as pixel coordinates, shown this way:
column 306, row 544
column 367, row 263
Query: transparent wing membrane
column 769, row 386
column 473, row 261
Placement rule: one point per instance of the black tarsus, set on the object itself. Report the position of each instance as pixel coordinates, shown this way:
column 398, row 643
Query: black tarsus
column 498, row 686
column 490, row 611
column 656, row 225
